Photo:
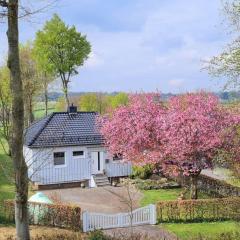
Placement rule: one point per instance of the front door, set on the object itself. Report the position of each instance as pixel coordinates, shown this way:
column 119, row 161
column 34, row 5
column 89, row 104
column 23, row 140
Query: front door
column 97, row 162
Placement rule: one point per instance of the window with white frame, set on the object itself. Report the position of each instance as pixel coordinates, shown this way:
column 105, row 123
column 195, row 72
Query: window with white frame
column 117, row 157
column 59, row 158
column 78, row 154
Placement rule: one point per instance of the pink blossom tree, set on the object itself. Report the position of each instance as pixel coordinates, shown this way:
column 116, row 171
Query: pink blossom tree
column 130, row 130
column 183, row 136
column 196, row 131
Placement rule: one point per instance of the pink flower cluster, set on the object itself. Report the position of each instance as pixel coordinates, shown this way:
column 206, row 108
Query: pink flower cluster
column 182, row 134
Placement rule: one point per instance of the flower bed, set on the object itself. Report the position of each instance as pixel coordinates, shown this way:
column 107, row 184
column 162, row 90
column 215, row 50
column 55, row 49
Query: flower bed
column 149, row 184
column 199, row 210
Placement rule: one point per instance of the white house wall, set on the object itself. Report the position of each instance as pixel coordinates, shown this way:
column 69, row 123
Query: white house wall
column 45, row 172
column 28, row 155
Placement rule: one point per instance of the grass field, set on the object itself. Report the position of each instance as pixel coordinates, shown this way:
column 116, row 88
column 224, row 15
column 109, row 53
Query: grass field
column 153, row 196
column 187, row 231
column 6, row 177
column 39, row 109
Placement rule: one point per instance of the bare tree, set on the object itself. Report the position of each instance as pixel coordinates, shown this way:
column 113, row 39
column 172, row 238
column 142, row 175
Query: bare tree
column 20, row 167
column 130, row 199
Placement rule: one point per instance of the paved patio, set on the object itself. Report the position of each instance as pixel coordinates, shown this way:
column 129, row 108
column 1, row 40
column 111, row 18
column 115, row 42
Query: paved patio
column 103, row 199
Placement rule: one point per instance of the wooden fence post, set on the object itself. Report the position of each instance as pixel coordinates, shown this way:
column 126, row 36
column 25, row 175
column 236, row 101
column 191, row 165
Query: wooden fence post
column 153, row 214
column 85, row 222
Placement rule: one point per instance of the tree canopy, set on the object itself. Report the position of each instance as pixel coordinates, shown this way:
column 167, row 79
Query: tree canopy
column 62, row 49
column 227, row 63
column 182, row 136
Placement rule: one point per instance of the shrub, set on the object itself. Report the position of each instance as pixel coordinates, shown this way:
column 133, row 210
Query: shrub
column 199, row 210
column 97, row 235
column 143, row 172
column 149, row 184
column 57, row 215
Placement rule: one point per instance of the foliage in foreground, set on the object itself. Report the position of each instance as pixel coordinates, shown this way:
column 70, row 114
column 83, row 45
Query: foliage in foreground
column 203, row 230
column 96, row 235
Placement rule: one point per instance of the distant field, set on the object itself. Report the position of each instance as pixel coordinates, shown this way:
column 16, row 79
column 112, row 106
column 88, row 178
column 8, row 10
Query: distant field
column 39, row 109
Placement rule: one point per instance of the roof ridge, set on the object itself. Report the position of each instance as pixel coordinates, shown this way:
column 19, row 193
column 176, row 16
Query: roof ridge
column 41, row 129
column 77, row 112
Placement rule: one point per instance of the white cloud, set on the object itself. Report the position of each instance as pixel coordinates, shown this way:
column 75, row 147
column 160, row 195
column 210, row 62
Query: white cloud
column 94, row 61
column 169, row 42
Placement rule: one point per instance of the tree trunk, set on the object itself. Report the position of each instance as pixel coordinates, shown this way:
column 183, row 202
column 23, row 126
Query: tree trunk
column 46, row 99
column 193, row 187
column 20, row 168
column 31, row 115
column 65, row 90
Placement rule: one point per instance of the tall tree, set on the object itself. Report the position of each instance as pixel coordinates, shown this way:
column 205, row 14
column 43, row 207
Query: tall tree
column 20, row 167
column 31, row 80
column 120, row 99
column 64, row 48
column 227, row 63
column 98, row 102
column 45, row 74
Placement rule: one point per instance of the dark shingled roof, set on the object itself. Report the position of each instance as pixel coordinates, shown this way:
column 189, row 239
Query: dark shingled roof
column 64, row 129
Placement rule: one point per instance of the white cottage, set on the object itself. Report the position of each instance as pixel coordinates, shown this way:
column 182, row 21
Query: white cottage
column 67, row 148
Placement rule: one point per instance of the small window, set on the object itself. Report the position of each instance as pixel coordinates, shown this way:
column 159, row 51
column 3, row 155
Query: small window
column 117, row 157
column 59, row 158
column 78, row 153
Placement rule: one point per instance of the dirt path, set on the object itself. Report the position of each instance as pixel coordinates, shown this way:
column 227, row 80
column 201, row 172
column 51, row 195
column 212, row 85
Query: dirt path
column 147, row 231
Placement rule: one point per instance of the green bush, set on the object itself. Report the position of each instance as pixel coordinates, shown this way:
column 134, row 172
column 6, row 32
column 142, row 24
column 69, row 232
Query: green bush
column 199, row 210
column 149, row 184
column 142, row 172
column 97, row 235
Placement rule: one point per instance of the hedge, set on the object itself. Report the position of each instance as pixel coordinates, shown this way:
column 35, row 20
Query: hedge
column 199, row 210
column 55, row 215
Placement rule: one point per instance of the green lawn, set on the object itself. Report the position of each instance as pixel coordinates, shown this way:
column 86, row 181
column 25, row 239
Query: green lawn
column 153, row 196
column 208, row 229
column 6, row 177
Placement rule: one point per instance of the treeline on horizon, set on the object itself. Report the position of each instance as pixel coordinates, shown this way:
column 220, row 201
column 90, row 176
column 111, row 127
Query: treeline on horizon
column 54, row 95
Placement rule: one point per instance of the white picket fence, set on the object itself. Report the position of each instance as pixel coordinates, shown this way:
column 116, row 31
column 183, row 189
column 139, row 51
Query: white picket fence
column 141, row 216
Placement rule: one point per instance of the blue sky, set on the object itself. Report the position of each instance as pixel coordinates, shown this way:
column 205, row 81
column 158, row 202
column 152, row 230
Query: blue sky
column 139, row 45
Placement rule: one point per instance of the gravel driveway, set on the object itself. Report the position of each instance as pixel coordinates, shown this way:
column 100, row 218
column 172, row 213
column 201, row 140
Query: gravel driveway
column 103, row 199
column 109, row 200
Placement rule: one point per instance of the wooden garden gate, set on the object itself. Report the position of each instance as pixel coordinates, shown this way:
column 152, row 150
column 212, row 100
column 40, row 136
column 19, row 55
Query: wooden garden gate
column 140, row 216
